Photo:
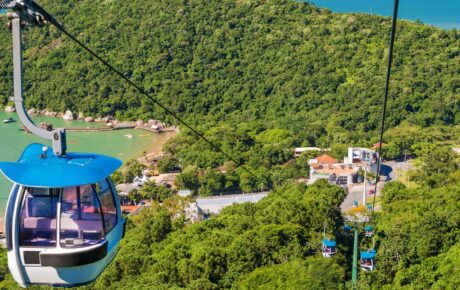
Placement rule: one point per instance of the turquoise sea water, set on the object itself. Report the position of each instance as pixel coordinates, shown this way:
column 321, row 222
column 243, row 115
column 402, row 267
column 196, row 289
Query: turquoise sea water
column 114, row 143
column 441, row 13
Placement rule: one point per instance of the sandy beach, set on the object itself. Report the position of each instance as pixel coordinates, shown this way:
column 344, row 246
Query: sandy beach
column 157, row 146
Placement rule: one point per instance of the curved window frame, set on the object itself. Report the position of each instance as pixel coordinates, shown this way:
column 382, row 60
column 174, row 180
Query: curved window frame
column 23, row 194
column 97, row 192
column 96, row 198
column 111, row 192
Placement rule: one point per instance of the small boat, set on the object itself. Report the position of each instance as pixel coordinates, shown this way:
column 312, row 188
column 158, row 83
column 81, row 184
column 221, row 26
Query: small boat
column 8, row 120
column 129, row 136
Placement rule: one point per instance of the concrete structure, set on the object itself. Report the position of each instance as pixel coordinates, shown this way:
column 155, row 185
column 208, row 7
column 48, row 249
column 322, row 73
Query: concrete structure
column 327, row 167
column 342, row 174
column 192, row 212
column 166, row 179
column 360, row 155
column 215, row 204
column 298, row 151
column 184, row 192
column 125, row 188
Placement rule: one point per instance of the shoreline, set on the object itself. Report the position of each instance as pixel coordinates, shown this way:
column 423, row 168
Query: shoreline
column 156, row 150
column 163, row 131
column 151, row 125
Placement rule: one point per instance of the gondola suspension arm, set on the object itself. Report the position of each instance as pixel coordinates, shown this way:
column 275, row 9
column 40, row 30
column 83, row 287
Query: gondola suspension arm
column 28, row 13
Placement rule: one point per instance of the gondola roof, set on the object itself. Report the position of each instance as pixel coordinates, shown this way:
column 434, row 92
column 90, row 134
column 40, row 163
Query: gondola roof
column 329, row 243
column 368, row 254
column 34, row 170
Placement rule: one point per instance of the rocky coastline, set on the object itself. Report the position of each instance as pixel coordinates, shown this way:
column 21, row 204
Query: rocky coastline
column 110, row 121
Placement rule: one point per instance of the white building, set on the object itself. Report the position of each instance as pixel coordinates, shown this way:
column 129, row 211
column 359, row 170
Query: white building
column 342, row 174
column 327, row 167
column 360, row 155
column 298, row 151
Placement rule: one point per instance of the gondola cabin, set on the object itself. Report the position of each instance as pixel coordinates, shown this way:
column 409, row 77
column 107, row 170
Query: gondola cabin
column 368, row 260
column 328, row 248
column 63, row 220
column 347, row 230
column 368, row 231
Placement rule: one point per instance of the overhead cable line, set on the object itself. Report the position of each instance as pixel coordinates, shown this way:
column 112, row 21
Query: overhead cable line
column 154, row 100
column 161, row 105
column 385, row 97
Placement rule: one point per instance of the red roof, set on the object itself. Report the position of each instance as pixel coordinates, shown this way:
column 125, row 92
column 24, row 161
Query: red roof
column 129, row 208
column 326, row 159
column 377, row 145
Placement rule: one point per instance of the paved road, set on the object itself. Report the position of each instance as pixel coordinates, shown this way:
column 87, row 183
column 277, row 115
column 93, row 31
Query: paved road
column 398, row 165
column 356, row 193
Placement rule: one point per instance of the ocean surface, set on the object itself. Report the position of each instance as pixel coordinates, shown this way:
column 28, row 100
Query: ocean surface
column 441, row 13
column 113, row 143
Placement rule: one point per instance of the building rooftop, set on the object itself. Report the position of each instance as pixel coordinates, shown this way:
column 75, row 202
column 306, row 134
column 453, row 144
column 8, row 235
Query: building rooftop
column 214, row 204
column 303, row 149
column 377, row 145
column 326, row 159
column 337, row 169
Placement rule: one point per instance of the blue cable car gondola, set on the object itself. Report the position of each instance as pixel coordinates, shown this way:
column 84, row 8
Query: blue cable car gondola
column 328, row 248
column 368, row 260
column 347, row 230
column 368, row 231
column 63, row 220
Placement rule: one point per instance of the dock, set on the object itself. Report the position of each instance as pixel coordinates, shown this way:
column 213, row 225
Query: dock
column 156, row 130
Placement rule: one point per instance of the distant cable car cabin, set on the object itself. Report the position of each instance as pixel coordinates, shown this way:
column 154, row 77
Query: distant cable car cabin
column 63, row 220
column 368, row 260
column 347, row 230
column 328, row 248
column 368, row 231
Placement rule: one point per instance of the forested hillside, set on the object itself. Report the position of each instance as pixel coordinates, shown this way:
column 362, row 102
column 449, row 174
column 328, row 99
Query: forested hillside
column 418, row 237
column 280, row 63
column 257, row 77
column 275, row 243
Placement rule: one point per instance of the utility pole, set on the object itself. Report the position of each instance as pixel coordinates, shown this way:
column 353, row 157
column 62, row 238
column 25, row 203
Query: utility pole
column 365, row 185
column 354, row 273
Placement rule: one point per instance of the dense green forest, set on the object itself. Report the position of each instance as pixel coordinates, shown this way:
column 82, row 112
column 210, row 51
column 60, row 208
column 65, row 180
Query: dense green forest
column 275, row 243
column 280, row 64
column 259, row 78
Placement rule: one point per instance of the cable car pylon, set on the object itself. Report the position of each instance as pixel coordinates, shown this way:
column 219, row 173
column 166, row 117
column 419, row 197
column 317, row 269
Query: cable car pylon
column 354, row 273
